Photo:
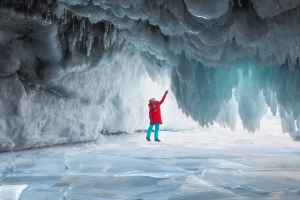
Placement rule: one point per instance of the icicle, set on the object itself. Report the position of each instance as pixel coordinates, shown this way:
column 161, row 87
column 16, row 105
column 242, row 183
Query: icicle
column 90, row 44
column 65, row 20
column 80, row 32
column 73, row 21
column 74, row 42
column 105, row 37
column 108, row 36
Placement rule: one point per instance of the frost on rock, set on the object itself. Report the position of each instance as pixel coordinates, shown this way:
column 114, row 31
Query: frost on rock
column 67, row 66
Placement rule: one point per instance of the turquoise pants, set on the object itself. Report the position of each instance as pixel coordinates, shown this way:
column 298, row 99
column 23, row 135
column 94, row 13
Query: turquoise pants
column 150, row 131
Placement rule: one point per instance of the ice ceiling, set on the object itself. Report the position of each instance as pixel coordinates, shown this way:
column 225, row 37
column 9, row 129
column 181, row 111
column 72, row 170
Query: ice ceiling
column 73, row 68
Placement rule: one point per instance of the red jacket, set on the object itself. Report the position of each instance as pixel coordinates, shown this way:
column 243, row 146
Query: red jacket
column 154, row 110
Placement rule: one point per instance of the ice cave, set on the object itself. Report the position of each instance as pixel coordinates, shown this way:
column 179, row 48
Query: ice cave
column 81, row 80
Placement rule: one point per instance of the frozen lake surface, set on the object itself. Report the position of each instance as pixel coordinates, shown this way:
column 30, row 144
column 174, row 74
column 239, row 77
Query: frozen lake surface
column 187, row 165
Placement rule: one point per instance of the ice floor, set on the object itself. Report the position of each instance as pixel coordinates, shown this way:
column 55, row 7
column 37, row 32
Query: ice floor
column 185, row 166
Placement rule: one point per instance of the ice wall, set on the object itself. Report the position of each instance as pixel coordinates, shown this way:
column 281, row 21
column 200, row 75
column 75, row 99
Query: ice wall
column 71, row 69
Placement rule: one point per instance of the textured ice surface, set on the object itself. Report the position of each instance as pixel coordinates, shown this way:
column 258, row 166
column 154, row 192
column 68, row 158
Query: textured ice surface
column 196, row 164
column 11, row 192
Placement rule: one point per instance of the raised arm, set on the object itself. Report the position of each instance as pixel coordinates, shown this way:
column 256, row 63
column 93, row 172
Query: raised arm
column 163, row 98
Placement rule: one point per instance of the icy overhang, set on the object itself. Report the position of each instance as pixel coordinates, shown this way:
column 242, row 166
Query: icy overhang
column 65, row 64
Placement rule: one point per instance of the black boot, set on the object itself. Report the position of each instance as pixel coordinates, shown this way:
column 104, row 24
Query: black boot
column 148, row 139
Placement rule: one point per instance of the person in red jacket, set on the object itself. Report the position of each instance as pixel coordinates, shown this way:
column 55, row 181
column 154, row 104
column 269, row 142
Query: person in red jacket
column 155, row 117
